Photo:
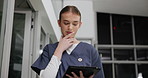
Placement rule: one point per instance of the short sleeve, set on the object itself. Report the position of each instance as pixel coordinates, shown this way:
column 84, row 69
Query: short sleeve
column 43, row 59
column 96, row 61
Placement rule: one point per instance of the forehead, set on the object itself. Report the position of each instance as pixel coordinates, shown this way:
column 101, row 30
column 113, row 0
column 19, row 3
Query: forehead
column 69, row 16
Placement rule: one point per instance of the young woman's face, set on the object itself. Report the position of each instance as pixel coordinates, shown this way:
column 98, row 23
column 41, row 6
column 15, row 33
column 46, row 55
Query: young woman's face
column 69, row 23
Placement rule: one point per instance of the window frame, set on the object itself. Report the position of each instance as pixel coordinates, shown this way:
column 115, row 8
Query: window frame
column 121, row 46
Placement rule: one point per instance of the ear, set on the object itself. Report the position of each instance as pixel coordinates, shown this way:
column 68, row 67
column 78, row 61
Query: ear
column 59, row 23
column 80, row 24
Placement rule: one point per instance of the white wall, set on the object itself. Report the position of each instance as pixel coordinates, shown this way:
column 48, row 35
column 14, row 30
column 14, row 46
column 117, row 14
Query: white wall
column 130, row 7
column 87, row 29
column 57, row 5
column 48, row 18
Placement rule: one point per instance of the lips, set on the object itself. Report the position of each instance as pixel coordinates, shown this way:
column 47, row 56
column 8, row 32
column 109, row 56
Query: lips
column 68, row 32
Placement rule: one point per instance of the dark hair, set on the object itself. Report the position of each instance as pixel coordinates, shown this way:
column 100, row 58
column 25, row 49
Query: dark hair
column 72, row 9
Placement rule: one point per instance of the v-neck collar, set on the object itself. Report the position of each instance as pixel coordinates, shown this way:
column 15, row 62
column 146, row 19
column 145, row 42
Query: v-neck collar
column 70, row 49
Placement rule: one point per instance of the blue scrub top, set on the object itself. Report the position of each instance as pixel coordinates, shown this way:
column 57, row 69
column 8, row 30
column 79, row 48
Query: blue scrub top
column 83, row 55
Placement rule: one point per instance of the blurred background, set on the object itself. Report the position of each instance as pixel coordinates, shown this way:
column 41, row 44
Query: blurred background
column 117, row 29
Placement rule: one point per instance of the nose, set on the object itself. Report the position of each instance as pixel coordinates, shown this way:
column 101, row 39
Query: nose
column 70, row 27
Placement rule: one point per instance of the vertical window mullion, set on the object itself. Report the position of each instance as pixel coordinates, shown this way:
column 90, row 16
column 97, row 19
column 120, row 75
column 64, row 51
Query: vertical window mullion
column 111, row 31
column 134, row 42
column 133, row 29
column 136, row 69
column 113, row 67
column 112, row 49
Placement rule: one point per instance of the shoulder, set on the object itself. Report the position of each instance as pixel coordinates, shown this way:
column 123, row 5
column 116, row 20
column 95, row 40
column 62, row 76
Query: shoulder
column 89, row 47
column 86, row 45
column 50, row 47
column 54, row 45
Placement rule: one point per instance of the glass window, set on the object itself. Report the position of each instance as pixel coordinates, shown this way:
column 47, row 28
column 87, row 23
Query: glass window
column 15, row 65
column 122, row 33
column 105, row 54
column 141, row 31
column 103, row 21
column 142, row 54
column 125, row 71
column 123, row 54
column 122, row 29
column 108, row 70
column 143, row 68
column 1, row 11
column 0, row 21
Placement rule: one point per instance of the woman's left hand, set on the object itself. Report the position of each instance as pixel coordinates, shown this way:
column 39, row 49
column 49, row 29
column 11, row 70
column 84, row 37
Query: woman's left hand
column 75, row 76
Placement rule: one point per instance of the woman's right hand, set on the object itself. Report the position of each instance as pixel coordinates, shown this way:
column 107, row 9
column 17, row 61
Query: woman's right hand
column 64, row 44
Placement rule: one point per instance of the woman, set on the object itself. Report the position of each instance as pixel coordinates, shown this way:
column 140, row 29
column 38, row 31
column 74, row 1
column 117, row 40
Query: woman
column 56, row 58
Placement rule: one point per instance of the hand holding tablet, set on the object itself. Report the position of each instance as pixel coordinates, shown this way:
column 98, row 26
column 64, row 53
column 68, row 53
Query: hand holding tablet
column 87, row 71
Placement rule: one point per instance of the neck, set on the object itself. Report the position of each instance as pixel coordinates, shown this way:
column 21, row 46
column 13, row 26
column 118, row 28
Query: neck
column 76, row 41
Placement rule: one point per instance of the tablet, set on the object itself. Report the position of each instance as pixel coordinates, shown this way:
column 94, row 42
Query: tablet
column 87, row 71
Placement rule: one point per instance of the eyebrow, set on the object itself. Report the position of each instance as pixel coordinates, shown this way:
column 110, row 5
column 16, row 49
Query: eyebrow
column 68, row 21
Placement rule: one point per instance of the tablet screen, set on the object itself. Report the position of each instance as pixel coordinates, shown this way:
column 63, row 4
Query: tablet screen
column 87, row 71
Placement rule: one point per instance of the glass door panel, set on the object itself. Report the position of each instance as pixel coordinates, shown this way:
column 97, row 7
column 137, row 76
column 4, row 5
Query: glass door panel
column 1, row 36
column 1, row 10
column 15, row 66
column 0, row 21
column 19, row 51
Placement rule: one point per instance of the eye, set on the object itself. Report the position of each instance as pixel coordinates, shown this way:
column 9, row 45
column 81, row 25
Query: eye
column 66, row 23
column 75, row 24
